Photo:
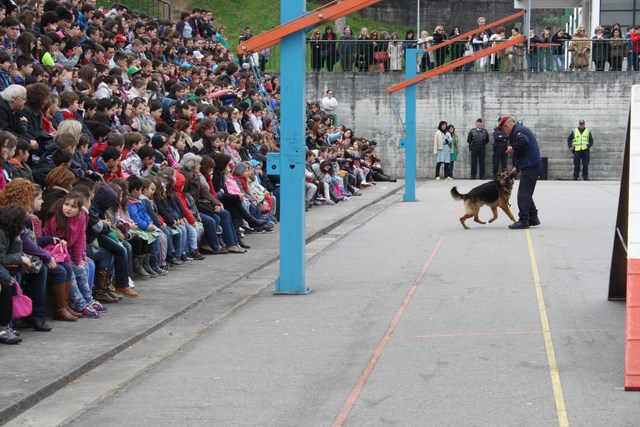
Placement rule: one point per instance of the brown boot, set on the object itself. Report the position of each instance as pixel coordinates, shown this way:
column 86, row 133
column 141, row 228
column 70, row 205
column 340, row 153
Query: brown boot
column 111, row 291
column 100, row 286
column 67, row 291
column 61, row 312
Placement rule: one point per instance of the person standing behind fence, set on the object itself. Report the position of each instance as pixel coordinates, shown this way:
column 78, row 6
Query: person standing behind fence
column 439, row 36
column 545, row 53
column 496, row 39
column 315, row 44
column 618, row 47
column 347, row 49
column 328, row 48
column 634, row 37
column 532, row 51
column 600, row 48
column 580, row 142
column 477, row 139
column 396, row 51
column 500, row 156
column 515, row 53
column 581, row 49
column 364, row 48
column 561, row 39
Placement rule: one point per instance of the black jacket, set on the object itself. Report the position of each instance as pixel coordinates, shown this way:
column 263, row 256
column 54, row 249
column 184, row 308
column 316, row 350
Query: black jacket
column 477, row 138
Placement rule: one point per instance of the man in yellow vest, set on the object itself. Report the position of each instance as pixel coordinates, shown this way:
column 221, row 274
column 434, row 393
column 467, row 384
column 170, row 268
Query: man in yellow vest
column 580, row 142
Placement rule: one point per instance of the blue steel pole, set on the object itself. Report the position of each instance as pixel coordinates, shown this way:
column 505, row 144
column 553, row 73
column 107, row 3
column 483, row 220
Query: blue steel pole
column 292, row 154
column 410, row 133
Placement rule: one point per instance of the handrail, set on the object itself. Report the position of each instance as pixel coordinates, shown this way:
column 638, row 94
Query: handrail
column 456, row 63
column 470, row 33
column 275, row 35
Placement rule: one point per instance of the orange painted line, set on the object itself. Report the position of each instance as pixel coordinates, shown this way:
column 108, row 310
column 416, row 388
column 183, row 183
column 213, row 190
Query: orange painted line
column 457, row 63
column 310, row 19
column 632, row 335
column 359, row 386
column 475, row 31
column 497, row 334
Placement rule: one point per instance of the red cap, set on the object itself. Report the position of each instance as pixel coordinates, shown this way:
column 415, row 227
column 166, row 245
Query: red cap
column 121, row 38
column 503, row 121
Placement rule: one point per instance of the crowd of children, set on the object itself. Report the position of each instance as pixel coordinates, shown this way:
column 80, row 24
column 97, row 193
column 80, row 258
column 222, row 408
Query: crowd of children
column 131, row 146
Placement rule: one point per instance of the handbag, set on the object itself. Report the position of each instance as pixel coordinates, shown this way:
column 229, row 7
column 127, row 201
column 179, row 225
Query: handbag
column 22, row 304
column 58, row 251
column 36, row 265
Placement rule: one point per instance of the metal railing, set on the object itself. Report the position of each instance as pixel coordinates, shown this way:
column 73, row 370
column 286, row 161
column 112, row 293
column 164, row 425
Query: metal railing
column 385, row 56
column 161, row 9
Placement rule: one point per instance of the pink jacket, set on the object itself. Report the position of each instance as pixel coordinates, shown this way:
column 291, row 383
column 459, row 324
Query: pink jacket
column 76, row 237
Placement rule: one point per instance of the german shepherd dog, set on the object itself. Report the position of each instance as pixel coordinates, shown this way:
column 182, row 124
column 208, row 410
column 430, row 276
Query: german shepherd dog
column 494, row 194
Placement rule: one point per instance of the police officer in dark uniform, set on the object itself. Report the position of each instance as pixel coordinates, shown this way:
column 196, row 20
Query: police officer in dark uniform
column 500, row 156
column 526, row 160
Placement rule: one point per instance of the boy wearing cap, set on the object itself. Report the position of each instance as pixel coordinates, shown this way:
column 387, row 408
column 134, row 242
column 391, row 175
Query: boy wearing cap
column 580, row 142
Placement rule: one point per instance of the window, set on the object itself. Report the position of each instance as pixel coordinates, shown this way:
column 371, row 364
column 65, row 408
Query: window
column 625, row 12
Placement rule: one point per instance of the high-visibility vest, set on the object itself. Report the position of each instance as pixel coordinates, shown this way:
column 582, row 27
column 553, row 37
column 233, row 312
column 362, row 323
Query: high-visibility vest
column 580, row 140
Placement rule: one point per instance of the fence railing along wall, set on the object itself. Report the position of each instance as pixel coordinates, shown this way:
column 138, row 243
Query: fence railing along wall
column 376, row 56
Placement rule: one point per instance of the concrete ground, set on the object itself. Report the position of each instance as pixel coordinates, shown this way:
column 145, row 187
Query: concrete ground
column 411, row 321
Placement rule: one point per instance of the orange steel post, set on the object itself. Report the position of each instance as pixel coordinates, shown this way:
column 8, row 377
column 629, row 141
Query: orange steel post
column 454, row 64
column 316, row 17
column 470, row 33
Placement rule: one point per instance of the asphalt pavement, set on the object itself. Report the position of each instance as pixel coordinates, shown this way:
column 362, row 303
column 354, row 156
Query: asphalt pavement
column 411, row 321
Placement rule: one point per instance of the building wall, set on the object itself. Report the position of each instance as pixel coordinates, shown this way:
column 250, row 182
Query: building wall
column 549, row 103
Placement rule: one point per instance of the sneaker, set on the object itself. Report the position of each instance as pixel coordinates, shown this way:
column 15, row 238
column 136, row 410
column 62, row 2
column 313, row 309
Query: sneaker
column 174, row 261
column 98, row 307
column 330, row 202
column 345, row 198
column 127, row 292
column 186, row 258
column 132, row 284
column 317, row 202
column 8, row 337
column 437, row 178
column 357, row 192
column 321, row 199
column 449, row 178
column 197, row 255
column 160, row 271
column 89, row 312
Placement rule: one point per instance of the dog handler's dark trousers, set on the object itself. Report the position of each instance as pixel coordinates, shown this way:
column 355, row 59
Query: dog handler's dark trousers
column 528, row 180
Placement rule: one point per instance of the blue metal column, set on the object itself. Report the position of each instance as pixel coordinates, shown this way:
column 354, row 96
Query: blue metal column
column 410, row 133
column 292, row 154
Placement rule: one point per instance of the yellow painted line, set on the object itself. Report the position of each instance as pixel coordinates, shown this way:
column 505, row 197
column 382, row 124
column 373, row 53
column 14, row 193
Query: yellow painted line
column 561, row 408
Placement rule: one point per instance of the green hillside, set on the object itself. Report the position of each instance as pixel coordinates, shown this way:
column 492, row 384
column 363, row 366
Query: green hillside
column 262, row 15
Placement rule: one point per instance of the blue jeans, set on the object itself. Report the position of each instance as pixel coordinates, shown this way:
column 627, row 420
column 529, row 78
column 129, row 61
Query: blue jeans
column 37, row 286
column 560, row 62
column 228, row 231
column 119, row 254
column 192, row 239
column 171, row 245
column 154, row 251
column 210, row 224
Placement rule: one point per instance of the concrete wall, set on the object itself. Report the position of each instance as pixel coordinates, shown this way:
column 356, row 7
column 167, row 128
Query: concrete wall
column 549, row 103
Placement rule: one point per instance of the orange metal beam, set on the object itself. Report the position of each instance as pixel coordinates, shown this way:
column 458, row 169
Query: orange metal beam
column 472, row 32
column 454, row 64
column 311, row 19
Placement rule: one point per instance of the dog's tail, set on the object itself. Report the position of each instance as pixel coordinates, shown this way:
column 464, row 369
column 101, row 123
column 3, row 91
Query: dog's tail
column 456, row 195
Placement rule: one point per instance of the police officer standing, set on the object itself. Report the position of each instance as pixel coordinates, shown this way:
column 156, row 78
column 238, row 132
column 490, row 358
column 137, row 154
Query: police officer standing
column 526, row 160
column 477, row 139
column 500, row 156
column 580, row 142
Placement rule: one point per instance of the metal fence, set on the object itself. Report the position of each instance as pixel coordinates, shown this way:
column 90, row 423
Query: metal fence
column 369, row 56
column 161, row 9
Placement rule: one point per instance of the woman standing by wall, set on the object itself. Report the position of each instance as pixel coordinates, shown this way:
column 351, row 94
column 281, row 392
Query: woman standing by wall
column 442, row 149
